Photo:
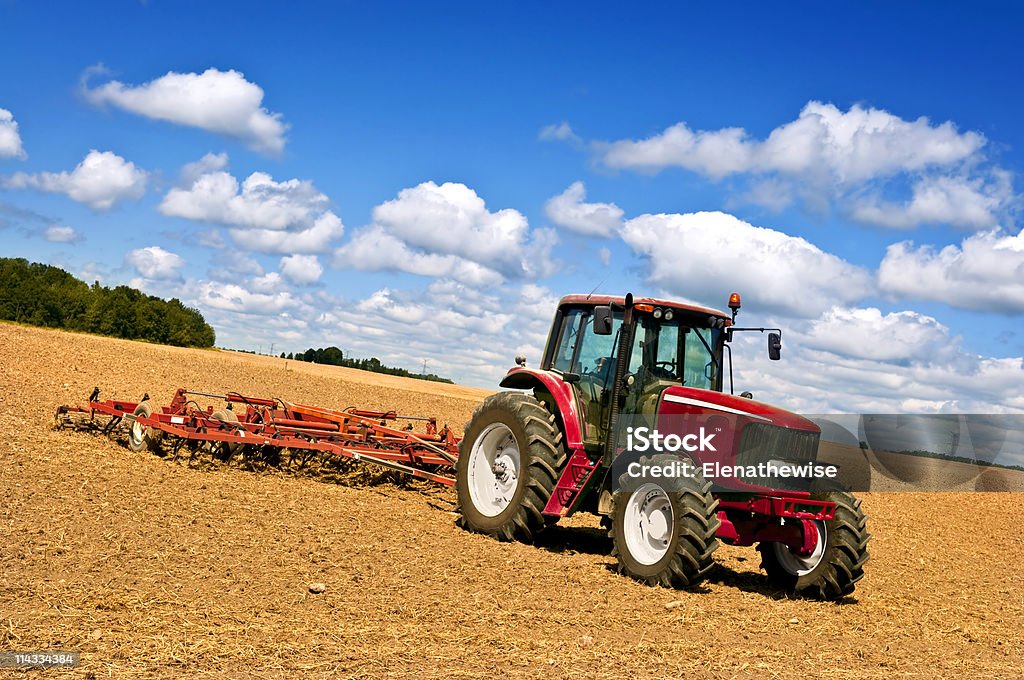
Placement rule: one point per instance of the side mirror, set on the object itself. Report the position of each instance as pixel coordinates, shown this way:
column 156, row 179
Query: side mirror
column 603, row 320
column 774, row 346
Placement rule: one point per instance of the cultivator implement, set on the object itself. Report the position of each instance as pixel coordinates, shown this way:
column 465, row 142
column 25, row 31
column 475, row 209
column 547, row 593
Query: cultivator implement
column 269, row 428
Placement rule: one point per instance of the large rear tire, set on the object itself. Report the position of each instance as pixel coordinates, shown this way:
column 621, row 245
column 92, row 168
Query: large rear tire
column 509, row 461
column 664, row 533
column 142, row 437
column 832, row 570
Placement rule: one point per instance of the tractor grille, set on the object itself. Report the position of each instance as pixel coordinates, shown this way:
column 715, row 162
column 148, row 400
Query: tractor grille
column 761, row 442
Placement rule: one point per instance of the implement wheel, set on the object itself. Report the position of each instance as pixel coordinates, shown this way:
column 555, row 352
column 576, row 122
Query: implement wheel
column 833, row 568
column 225, row 450
column 142, row 437
column 508, row 464
column 663, row 532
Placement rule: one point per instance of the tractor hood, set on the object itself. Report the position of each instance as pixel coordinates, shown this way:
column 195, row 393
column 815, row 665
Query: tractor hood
column 688, row 400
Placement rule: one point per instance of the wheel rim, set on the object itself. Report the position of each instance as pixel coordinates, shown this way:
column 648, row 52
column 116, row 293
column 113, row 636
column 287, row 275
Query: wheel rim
column 137, row 433
column 648, row 524
column 798, row 565
column 495, row 466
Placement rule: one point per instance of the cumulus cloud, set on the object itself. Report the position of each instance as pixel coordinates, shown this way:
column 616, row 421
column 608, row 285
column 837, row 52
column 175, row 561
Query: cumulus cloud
column 856, row 360
column 866, row 333
column 570, row 210
column 375, row 249
column 706, row 255
column 301, row 269
column 850, row 158
column 58, row 233
column 957, row 201
column 853, row 146
column 222, row 102
column 561, row 132
column 447, row 230
column 236, row 298
column 100, row 181
column 263, row 215
column 986, row 271
column 10, row 140
column 154, row 262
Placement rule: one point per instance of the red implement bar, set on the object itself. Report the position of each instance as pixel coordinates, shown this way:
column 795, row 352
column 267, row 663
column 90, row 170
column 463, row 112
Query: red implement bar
column 274, row 423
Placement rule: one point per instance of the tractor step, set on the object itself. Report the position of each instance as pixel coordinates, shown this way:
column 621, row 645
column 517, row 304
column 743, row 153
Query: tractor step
column 573, row 480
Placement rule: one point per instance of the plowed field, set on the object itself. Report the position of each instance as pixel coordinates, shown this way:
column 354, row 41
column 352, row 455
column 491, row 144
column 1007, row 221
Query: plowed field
column 155, row 568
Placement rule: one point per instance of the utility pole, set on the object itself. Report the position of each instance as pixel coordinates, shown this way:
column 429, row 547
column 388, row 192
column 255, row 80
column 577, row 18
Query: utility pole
column 424, row 367
column 272, row 349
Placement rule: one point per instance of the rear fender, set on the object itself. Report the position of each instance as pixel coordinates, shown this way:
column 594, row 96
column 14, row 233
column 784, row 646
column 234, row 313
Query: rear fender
column 562, row 394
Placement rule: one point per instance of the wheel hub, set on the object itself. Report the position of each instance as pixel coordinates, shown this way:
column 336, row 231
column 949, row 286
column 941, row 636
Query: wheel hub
column 648, row 525
column 803, row 560
column 495, row 466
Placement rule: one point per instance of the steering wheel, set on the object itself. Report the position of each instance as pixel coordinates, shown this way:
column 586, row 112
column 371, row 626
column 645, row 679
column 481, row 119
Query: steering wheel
column 665, row 369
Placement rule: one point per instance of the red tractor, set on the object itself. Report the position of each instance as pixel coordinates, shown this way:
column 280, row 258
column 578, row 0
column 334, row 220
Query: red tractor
column 613, row 365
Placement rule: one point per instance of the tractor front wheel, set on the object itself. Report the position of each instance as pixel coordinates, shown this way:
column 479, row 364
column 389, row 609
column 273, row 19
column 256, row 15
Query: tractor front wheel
column 664, row 533
column 508, row 464
column 833, row 568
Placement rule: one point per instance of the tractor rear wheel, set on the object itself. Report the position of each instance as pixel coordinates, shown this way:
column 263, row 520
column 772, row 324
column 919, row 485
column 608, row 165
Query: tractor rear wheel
column 663, row 533
column 142, row 437
column 835, row 565
column 509, row 461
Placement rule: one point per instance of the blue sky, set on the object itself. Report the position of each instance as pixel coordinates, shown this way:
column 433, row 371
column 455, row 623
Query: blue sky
column 424, row 181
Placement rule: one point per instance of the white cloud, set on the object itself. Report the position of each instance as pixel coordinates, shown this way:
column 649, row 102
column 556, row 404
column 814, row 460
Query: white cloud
column 316, row 238
column 561, row 132
column 606, row 256
column 375, row 249
column 706, row 255
column 853, row 146
column 986, row 271
column 570, row 210
column 271, row 282
column 10, row 140
column 154, row 262
column 222, row 102
column 849, row 158
column 463, row 333
column 100, row 181
column 57, row 233
column 863, row 361
column 956, row 201
column 447, row 230
column 865, row 333
column 264, row 215
column 301, row 269
column 231, row 297
column 210, row 163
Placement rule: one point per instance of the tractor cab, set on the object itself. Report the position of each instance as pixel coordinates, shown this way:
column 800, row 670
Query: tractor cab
column 608, row 349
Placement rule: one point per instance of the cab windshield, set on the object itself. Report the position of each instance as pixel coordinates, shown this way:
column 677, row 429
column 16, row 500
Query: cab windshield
column 675, row 352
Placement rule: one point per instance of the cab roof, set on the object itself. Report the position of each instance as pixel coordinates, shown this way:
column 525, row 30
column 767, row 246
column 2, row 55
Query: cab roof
column 579, row 299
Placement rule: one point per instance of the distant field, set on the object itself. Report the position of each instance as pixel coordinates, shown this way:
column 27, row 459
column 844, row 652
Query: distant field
column 155, row 568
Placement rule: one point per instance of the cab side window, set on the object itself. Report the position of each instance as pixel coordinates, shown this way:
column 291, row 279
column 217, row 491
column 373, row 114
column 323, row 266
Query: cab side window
column 567, row 342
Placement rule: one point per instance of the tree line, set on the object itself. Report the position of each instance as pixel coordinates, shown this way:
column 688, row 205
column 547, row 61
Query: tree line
column 334, row 357
column 43, row 295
